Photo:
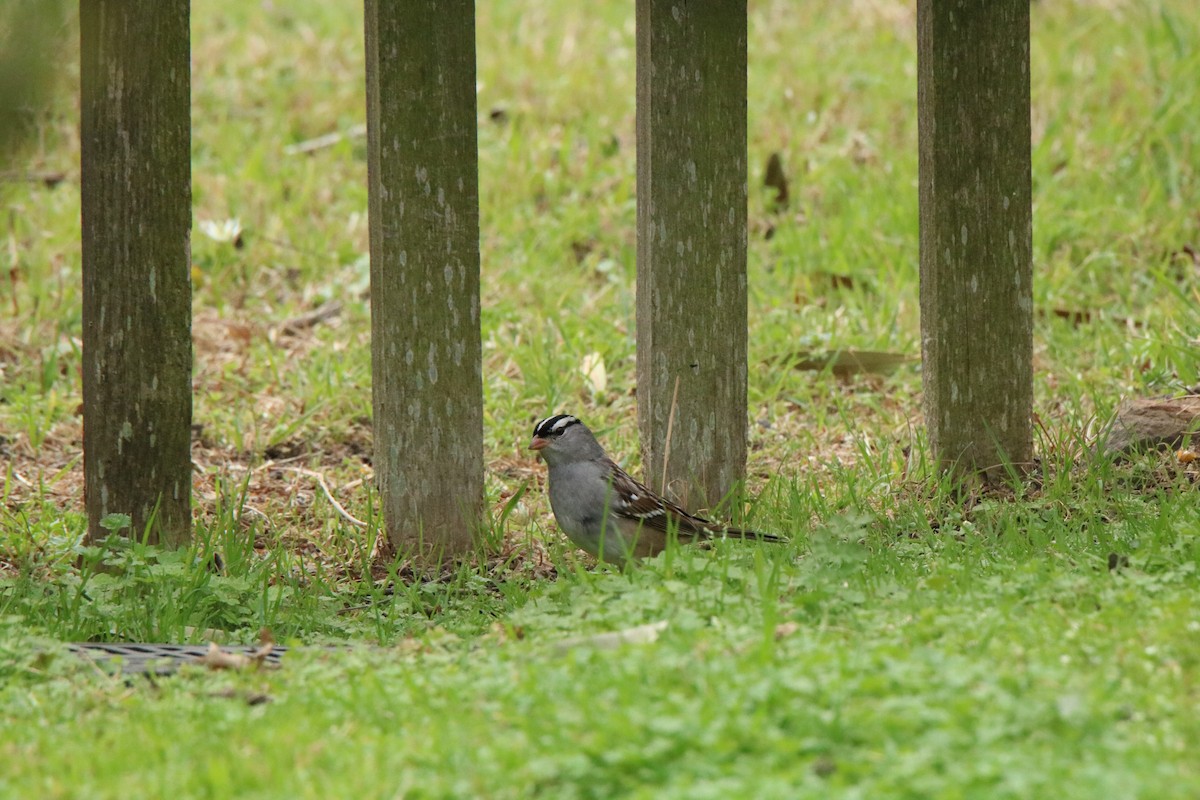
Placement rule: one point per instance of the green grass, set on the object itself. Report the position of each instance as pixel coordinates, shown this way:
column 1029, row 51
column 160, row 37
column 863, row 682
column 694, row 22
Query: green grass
column 911, row 641
column 989, row 667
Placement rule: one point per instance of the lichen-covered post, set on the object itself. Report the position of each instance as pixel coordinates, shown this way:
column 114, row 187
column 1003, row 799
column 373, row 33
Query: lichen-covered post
column 691, row 225
column 976, row 232
column 424, row 226
column 135, row 131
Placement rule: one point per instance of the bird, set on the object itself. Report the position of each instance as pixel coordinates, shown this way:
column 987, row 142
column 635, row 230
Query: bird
column 605, row 511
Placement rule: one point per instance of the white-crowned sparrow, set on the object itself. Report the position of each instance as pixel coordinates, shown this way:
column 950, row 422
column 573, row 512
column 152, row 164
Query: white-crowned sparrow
column 605, row 511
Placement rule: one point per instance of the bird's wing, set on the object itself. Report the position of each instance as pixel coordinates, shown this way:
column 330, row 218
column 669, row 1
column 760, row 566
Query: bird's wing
column 634, row 501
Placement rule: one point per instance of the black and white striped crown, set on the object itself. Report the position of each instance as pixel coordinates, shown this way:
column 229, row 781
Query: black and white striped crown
column 554, row 426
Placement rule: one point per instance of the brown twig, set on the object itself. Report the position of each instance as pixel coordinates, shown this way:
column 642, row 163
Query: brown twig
column 312, row 318
column 325, row 140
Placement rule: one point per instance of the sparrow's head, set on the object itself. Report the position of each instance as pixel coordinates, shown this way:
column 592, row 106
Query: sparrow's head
column 563, row 438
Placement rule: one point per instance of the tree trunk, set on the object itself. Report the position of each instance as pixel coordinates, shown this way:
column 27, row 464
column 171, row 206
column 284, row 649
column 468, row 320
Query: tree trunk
column 424, row 225
column 691, row 287
column 135, row 75
column 976, row 232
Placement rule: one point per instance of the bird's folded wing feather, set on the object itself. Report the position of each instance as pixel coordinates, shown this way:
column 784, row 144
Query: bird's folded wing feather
column 634, row 501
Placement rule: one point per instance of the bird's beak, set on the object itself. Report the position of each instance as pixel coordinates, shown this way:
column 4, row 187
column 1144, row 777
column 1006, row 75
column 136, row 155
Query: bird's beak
column 538, row 443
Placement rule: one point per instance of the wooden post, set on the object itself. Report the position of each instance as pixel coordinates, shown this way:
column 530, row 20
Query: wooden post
column 424, row 228
column 976, row 232
column 135, row 76
column 691, row 217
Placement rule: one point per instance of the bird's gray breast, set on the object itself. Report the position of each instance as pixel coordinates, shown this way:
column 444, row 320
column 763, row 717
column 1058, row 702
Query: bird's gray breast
column 580, row 497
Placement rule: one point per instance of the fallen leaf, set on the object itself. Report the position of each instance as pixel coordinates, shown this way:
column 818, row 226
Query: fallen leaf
column 786, row 629
column 229, row 230
column 844, row 363
column 216, row 658
column 1188, row 254
column 1083, row 317
column 835, row 280
column 595, row 376
column 581, row 248
column 777, row 180
column 1149, row 423
column 266, row 644
column 251, row 698
column 642, row 634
